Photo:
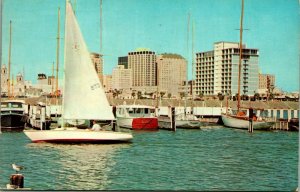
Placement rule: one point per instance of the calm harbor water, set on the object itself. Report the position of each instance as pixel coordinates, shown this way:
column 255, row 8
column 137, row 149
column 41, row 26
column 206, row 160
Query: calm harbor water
column 207, row 159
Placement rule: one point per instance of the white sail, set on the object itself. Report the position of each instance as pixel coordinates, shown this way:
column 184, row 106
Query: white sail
column 84, row 97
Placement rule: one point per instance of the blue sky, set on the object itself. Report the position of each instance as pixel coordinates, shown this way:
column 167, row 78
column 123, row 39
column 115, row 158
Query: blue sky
column 160, row 25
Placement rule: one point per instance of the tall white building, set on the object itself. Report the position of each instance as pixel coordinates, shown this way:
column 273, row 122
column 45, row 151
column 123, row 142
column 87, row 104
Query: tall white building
column 217, row 70
column 142, row 62
column 121, row 78
column 171, row 73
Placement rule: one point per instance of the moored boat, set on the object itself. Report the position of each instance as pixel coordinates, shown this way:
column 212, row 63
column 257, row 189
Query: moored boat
column 13, row 117
column 239, row 122
column 136, row 117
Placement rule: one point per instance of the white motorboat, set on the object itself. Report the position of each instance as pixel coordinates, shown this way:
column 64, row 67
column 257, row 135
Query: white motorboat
column 136, row 117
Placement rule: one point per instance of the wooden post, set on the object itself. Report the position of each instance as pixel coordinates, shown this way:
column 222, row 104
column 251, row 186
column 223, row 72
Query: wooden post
column 17, row 181
column 114, row 110
column 250, row 129
column 173, row 123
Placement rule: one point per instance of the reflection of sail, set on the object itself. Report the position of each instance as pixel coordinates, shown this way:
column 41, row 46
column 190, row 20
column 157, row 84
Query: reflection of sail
column 75, row 167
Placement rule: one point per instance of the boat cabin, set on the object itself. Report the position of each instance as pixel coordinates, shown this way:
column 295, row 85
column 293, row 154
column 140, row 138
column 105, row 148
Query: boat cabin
column 135, row 111
column 14, row 106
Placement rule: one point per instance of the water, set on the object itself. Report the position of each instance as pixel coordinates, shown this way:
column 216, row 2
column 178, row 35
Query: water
column 209, row 159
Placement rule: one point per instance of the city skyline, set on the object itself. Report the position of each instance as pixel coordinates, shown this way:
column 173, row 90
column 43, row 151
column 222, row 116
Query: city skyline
column 160, row 25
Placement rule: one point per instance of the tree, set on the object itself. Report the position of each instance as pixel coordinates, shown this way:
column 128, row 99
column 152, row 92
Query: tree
column 139, row 94
column 220, row 96
column 169, row 95
column 256, row 96
column 162, row 93
column 133, row 94
column 182, row 94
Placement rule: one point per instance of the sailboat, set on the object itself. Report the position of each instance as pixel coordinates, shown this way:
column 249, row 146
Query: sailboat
column 83, row 94
column 240, row 120
column 186, row 120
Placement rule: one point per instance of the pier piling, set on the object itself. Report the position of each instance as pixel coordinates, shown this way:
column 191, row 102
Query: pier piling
column 251, row 114
column 16, row 181
column 173, row 123
column 114, row 110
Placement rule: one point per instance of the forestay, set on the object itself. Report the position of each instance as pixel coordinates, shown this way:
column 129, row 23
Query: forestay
column 84, row 97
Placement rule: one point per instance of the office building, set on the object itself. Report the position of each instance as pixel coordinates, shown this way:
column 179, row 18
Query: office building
column 97, row 60
column 121, row 78
column 123, row 61
column 266, row 81
column 171, row 73
column 142, row 62
column 217, row 70
column 107, row 83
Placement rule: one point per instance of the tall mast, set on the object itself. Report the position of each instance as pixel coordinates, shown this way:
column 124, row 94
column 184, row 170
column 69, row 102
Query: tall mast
column 0, row 59
column 9, row 61
column 100, row 27
column 52, row 86
column 193, row 63
column 240, row 58
column 57, row 54
column 187, row 66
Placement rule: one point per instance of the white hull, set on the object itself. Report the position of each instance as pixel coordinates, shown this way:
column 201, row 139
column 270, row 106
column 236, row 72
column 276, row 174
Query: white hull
column 73, row 135
column 124, row 122
column 188, row 124
column 165, row 122
column 233, row 122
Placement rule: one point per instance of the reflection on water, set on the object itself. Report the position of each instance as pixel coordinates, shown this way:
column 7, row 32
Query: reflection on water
column 57, row 166
column 74, row 166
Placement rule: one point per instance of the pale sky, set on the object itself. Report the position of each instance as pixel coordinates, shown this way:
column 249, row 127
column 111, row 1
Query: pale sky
column 161, row 26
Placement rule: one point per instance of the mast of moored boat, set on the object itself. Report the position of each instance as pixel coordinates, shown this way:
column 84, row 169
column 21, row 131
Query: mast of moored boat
column 193, row 65
column 0, row 60
column 9, row 61
column 57, row 57
column 240, row 59
column 187, row 65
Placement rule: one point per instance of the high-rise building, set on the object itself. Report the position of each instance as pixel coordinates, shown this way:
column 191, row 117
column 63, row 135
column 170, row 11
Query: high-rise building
column 121, row 78
column 123, row 61
column 266, row 81
column 217, row 70
column 142, row 62
column 97, row 60
column 107, row 81
column 171, row 73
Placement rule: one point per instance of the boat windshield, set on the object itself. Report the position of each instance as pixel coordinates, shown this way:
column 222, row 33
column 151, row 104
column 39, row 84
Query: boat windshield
column 16, row 105
column 4, row 105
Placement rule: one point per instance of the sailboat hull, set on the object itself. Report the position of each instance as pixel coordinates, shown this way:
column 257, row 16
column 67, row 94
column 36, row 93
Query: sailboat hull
column 231, row 121
column 74, row 135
